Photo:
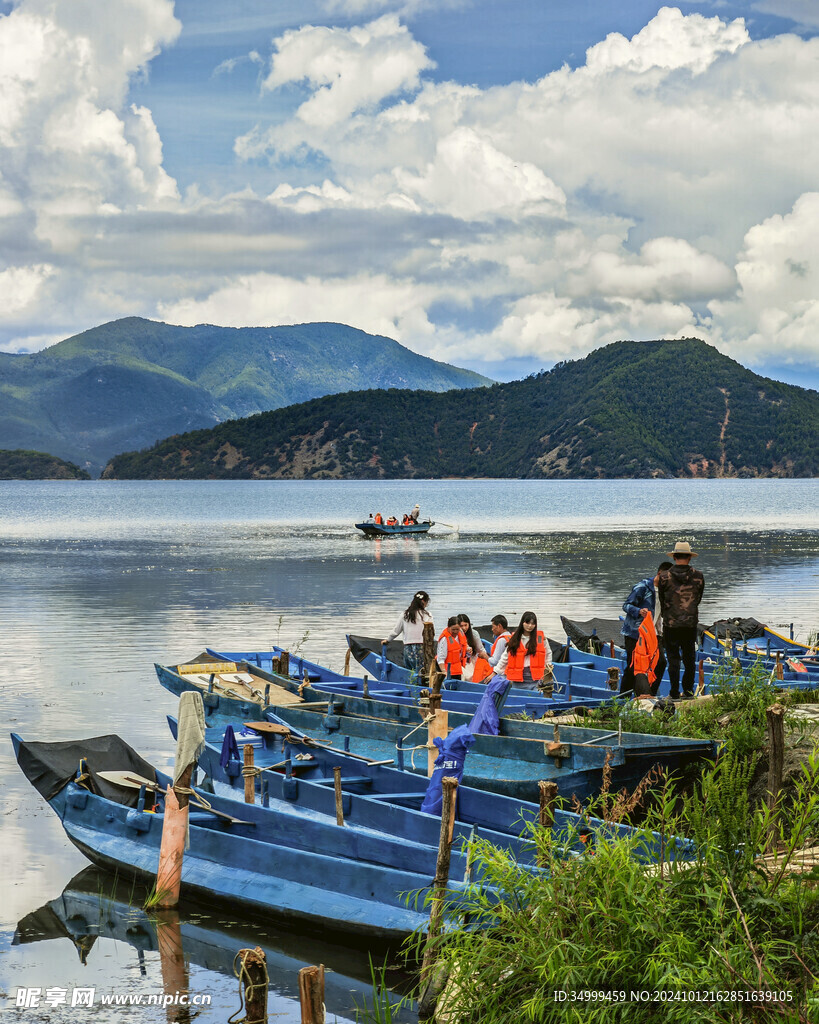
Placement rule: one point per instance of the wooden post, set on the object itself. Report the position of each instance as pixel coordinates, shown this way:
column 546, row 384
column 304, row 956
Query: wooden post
column 365, row 688
column 250, row 777
column 254, row 981
column 276, row 666
column 776, row 751
column 611, row 648
column 701, row 686
column 311, row 994
column 172, row 847
column 347, row 662
column 284, row 664
column 613, row 678
column 433, row 702
column 438, row 726
column 337, row 787
column 436, row 912
column 779, row 669
column 429, row 649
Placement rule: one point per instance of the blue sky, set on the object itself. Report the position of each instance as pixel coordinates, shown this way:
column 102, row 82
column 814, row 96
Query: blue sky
column 500, row 185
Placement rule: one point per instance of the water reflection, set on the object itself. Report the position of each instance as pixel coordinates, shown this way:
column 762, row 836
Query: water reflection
column 176, row 953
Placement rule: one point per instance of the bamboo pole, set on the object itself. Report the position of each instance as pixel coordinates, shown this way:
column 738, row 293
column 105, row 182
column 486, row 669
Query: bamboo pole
column 347, row 662
column 337, row 787
column 311, row 994
column 250, row 777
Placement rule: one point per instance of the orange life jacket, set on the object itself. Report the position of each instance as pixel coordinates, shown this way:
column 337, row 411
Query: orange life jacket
column 455, row 652
column 537, row 661
column 392, row 521
column 647, row 652
column 379, row 519
column 507, row 636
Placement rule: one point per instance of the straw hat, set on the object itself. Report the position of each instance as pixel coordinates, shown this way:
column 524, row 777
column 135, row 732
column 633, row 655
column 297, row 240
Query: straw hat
column 682, row 547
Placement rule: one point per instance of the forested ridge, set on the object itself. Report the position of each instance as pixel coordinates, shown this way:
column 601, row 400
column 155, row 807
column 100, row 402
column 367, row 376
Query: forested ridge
column 630, row 409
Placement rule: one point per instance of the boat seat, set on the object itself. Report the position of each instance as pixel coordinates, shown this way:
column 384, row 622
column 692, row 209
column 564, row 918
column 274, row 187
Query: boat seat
column 349, row 780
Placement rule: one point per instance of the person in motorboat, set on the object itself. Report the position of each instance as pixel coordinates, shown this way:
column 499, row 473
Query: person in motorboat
column 643, row 597
column 392, row 521
column 379, row 519
column 411, row 624
column 452, row 653
column 370, row 520
column 527, row 660
column 415, row 513
column 501, row 633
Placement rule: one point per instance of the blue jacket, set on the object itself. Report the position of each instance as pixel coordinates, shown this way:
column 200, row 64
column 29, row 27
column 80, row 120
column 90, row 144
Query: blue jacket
column 642, row 596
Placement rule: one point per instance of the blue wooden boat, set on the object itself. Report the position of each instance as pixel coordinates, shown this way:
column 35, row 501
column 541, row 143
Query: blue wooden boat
column 511, row 766
column 376, row 796
column 457, row 695
column 279, row 859
column 379, row 729
column 382, row 530
column 95, row 905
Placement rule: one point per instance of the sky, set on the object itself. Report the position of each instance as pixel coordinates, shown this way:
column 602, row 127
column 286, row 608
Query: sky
column 501, row 185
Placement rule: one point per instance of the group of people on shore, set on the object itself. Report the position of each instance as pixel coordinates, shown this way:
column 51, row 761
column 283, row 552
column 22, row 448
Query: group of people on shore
column 523, row 655
column 659, row 629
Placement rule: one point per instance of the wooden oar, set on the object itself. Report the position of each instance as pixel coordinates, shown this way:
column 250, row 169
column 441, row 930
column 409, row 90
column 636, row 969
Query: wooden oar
column 131, row 780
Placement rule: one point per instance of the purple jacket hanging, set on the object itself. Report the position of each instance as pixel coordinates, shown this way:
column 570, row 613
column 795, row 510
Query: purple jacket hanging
column 485, row 721
column 449, row 763
column 230, row 748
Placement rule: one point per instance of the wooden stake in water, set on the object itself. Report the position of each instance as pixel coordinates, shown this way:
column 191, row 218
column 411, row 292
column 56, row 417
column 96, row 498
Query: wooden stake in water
column 347, row 662
column 254, row 981
column 172, row 847
column 439, row 885
column 429, row 649
column 311, row 994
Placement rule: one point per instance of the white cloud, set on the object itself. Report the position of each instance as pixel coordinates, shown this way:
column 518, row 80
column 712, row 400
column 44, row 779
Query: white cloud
column 777, row 308
column 349, row 69
column 20, row 287
column 377, row 304
column 663, row 188
column 669, row 41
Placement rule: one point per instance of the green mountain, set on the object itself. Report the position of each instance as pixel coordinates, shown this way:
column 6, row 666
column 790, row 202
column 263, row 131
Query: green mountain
column 27, row 465
column 130, row 382
column 631, row 409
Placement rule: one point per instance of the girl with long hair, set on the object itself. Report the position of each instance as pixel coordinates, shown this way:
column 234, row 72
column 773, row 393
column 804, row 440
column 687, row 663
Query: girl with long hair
column 411, row 624
column 527, row 655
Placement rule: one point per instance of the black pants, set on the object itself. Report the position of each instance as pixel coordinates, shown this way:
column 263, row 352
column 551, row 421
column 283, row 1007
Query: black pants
column 627, row 681
column 681, row 643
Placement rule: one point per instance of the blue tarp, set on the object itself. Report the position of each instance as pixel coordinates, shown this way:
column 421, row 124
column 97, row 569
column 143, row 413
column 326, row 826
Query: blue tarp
column 230, row 748
column 485, row 721
column 449, row 763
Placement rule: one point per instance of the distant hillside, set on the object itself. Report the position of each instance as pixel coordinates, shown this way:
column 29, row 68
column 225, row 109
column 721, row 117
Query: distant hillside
column 27, row 465
column 631, row 409
column 131, row 382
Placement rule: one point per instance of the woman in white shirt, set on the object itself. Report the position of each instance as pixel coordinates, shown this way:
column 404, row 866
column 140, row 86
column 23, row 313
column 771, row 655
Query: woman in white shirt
column 411, row 624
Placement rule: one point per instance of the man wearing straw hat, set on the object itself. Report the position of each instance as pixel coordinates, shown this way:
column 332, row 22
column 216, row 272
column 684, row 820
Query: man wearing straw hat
column 680, row 589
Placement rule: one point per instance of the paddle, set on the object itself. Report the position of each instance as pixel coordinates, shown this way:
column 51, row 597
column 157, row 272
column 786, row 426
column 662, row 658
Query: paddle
column 131, row 780
column 456, row 527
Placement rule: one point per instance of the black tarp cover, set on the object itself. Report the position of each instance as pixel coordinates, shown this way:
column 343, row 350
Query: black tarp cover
column 50, row 766
column 735, row 629
column 596, row 631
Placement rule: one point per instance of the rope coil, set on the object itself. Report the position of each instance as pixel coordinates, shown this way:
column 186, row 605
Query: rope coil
column 247, row 987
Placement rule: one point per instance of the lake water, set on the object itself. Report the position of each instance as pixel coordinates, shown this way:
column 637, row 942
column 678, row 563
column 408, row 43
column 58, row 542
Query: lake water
column 102, row 579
